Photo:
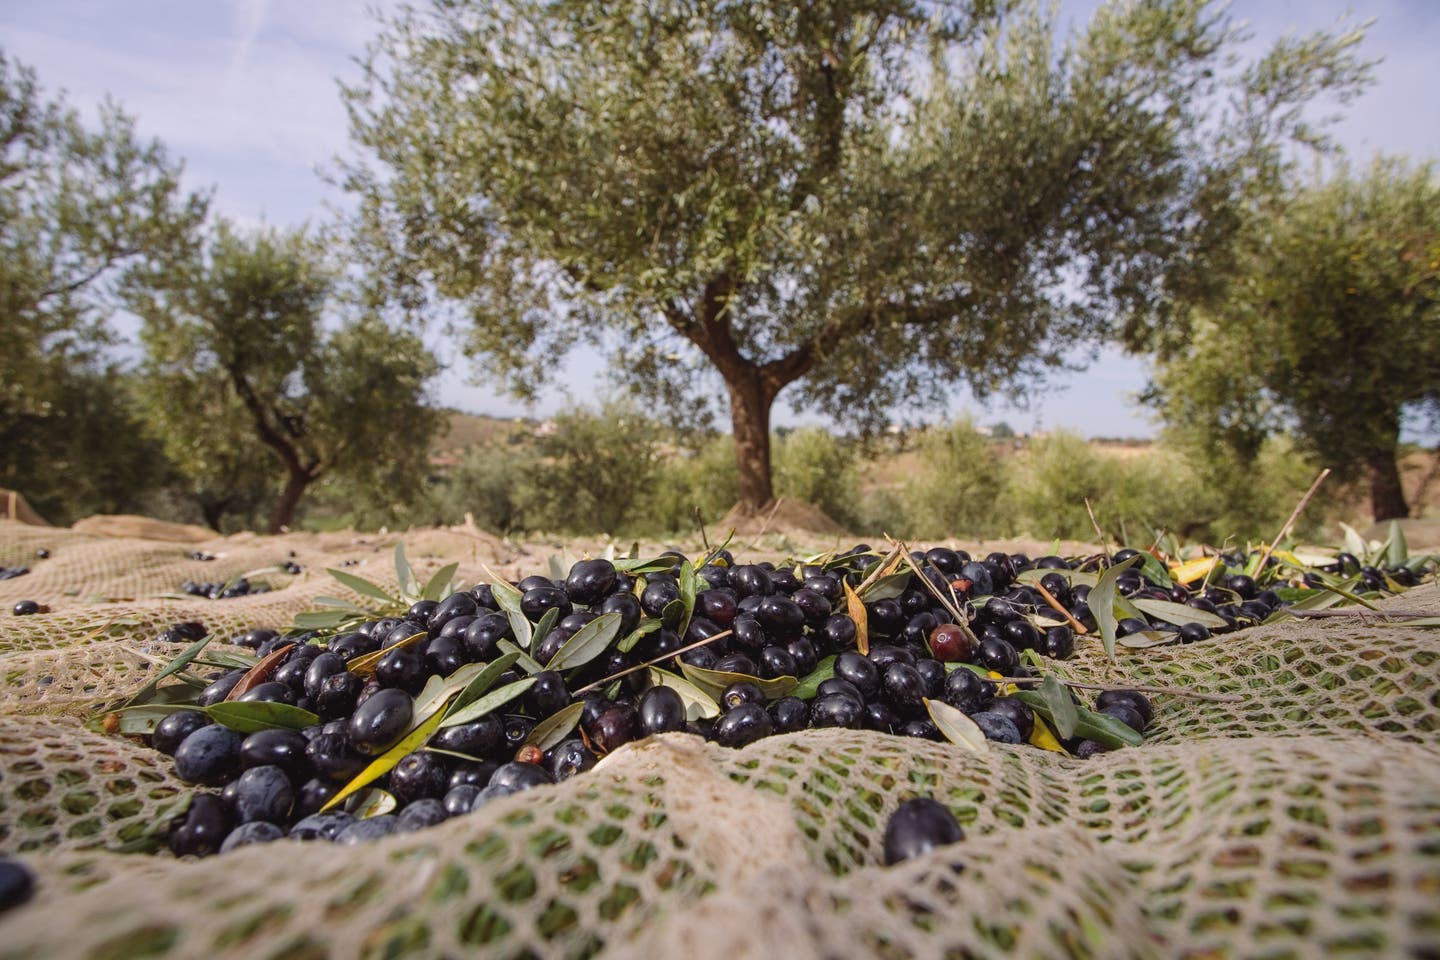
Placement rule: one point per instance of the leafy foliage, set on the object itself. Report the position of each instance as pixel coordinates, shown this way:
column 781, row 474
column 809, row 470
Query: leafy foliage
column 957, row 488
column 876, row 201
column 81, row 208
column 243, row 378
column 1330, row 328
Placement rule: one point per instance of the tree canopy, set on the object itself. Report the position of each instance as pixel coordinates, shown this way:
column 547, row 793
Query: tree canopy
column 875, row 201
column 81, row 208
column 250, row 365
column 1330, row 327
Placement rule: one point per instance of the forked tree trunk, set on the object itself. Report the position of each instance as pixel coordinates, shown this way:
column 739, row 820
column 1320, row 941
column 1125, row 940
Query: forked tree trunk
column 1387, row 496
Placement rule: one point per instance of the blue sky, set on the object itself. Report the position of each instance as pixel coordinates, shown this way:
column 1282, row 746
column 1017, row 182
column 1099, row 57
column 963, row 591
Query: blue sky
column 245, row 92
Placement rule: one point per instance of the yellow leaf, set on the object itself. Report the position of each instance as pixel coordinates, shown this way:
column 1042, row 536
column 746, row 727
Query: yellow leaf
column 856, row 608
column 1042, row 737
column 386, row 761
column 1192, row 570
column 365, row 666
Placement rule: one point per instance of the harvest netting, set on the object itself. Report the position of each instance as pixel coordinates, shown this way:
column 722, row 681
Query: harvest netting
column 1298, row 816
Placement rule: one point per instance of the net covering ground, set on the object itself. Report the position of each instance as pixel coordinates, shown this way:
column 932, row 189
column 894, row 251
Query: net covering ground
column 1304, row 819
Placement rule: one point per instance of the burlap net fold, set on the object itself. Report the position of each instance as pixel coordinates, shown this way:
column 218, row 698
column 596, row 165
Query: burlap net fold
column 1304, row 820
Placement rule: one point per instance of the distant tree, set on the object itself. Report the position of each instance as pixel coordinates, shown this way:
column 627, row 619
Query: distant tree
column 241, row 368
column 876, row 201
column 596, row 468
column 1002, row 431
column 1330, row 328
column 81, row 207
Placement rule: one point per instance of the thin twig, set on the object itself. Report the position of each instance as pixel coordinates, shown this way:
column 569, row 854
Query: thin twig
column 1104, row 543
column 766, row 525
column 961, row 621
column 700, row 522
column 1168, row 691
column 884, row 568
column 1294, row 515
column 1075, row 625
column 674, row 653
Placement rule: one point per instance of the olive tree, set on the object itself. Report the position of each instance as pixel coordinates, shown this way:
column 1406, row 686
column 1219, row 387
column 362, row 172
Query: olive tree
column 82, row 206
column 1329, row 328
column 869, row 202
column 250, row 363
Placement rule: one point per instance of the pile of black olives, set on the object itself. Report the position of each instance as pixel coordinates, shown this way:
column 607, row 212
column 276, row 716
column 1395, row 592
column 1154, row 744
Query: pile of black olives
column 767, row 622
column 211, row 590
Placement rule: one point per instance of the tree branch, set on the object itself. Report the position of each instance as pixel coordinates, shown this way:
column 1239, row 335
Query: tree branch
column 270, row 436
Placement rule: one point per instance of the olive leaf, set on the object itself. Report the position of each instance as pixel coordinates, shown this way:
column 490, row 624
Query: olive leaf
column 261, row 672
column 403, row 574
column 1088, row 724
column 697, row 702
column 483, row 680
column 553, row 730
column 142, row 720
column 508, row 601
column 1354, row 543
column 364, row 666
column 338, row 604
column 439, row 583
column 647, row 627
column 250, row 716
column 1102, row 603
column 486, row 704
column 147, row 692
column 1145, row 639
column 1399, row 550
column 887, row 587
column 637, row 567
column 1352, row 597
column 546, row 623
column 714, row 682
column 1040, row 736
column 360, row 585
column 1108, row 730
column 589, row 642
column 386, row 761
column 503, row 590
column 371, row 802
column 1178, row 613
column 672, row 613
column 1061, row 710
column 1154, row 570
column 321, row 620
column 438, row 690
column 956, row 727
column 687, row 596
column 856, row 608
column 809, row 684
column 524, row 661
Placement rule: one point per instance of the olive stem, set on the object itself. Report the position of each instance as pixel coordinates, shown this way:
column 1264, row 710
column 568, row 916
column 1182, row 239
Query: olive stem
column 1100, row 534
column 1060, row 609
column 1170, row 691
column 885, row 566
column 962, row 621
column 1294, row 515
column 650, row 663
